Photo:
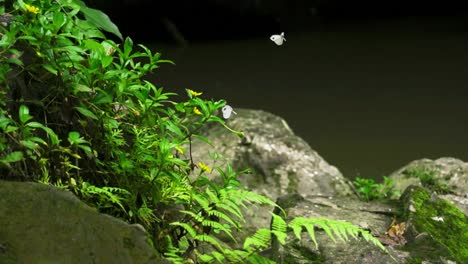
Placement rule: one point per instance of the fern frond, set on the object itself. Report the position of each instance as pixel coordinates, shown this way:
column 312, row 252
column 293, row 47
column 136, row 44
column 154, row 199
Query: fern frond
column 232, row 207
column 278, row 223
column 205, row 258
column 202, row 201
column 261, row 239
column 257, row 259
column 279, row 228
column 147, row 216
column 209, row 239
column 198, row 217
column 235, row 256
column 218, row 256
column 251, row 198
column 333, row 228
column 212, row 196
column 217, row 225
column 173, row 253
column 225, row 217
column 186, row 227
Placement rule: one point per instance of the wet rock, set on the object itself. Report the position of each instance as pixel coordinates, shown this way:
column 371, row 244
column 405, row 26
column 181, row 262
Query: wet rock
column 43, row 224
column 436, row 230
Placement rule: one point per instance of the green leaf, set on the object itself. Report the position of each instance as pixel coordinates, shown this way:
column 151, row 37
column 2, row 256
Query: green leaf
column 38, row 140
column 174, row 128
column 29, row 144
column 98, row 19
column 94, row 45
column 59, row 20
column 53, row 137
column 128, row 47
column 50, row 69
column 86, row 112
column 75, row 138
column 102, row 98
column 81, row 88
column 24, row 115
column 13, row 157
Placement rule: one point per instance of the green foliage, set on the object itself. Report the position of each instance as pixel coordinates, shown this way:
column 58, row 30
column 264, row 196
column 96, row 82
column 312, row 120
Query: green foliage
column 428, row 179
column 333, row 228
column 77, row 112
column 368, row 189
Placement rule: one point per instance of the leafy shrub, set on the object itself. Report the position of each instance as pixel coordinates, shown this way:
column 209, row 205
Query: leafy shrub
column 368, row 189
column 76, row 112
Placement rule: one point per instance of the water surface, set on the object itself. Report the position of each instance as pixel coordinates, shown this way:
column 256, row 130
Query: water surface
column 368, row 97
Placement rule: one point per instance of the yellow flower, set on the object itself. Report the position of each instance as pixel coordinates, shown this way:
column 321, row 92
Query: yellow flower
column 193, row 93
column 196, row 111
column 204, row 167
column 32, row 9
column 179, row 149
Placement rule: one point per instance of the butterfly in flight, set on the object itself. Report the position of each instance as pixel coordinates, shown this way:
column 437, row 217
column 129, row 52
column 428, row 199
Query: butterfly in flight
column 278, row 39
column 227, row 111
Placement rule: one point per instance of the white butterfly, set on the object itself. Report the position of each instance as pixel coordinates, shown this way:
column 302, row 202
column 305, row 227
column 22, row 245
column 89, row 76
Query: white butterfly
column 228, row 111
column 278, row 39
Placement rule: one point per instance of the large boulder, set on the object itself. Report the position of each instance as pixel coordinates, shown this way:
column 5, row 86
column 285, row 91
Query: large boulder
column 447, row 176
column 43, row 224
column 436, row 230
column 375, row 217
column 281, row 162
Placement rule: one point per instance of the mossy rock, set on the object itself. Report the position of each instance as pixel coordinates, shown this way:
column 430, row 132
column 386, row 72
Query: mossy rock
column 43, row 224
column 436, row 229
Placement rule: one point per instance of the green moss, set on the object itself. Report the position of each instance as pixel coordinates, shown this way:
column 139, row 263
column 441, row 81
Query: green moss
column 450, row 235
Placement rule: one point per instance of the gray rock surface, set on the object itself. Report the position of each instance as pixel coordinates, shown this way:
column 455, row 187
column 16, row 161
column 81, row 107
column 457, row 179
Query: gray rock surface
column 374, row 217
column 42, row 224
column 282, row 162
column 449, row 172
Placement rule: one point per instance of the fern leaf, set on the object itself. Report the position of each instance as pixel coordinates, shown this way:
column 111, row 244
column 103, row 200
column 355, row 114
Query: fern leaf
column 217, row 225
column 231, row 207
column 202, row 201
column 205, row 258
column 186, row 227
column 172, row 253
column 213, row 197
column 225, row 217
column 370, row 238
column 278, row 223
column 235, row 256
column 278, row 228
column 218, row 256
column 260, row 239
column 333, row 228
column 257, row 259
column 197, row 217
column 209, row 239
column 324, row 225
column 311, row 231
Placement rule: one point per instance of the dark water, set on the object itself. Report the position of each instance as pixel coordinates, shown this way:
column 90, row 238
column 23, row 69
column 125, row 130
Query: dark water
column 368, row 97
